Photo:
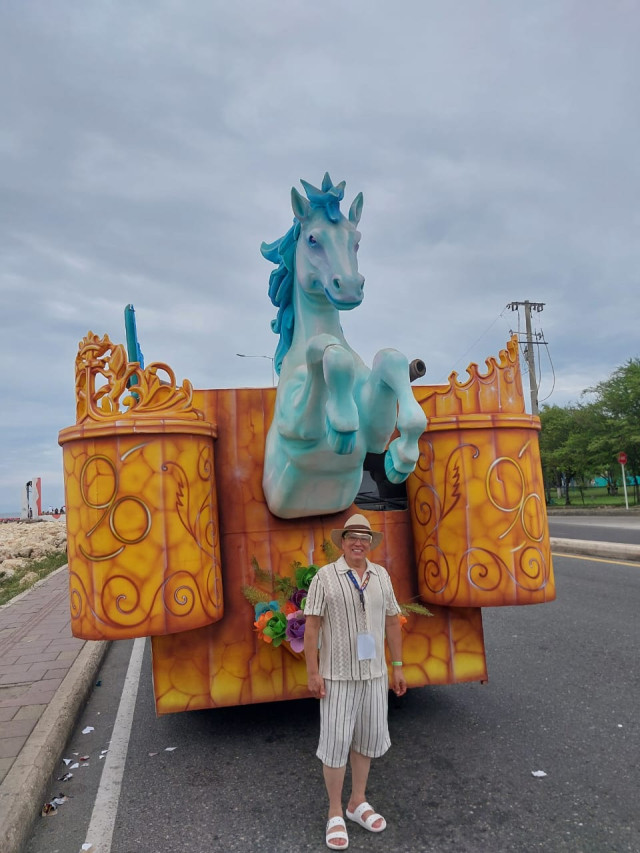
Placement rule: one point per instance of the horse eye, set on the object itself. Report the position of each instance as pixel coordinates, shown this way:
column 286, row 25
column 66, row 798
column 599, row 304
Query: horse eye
column 312, row 240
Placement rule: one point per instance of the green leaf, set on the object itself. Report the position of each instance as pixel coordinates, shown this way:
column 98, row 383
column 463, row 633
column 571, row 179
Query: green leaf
column 261, row 575
column 254, row 595
column 330, row 551
column 418, row 609
column 284, row 586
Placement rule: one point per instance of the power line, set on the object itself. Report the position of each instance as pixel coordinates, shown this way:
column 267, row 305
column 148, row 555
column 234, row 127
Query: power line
column 486, row 331
column 529, row 351
column 553, row 372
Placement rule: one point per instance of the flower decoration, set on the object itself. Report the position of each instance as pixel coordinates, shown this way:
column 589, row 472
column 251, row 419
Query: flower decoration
column 279, row 616
column 262, row 607
column 304, row 576
column 295, row 630
column 298, row 598
column 276, row 628
column 278, row 603
column 261, row 623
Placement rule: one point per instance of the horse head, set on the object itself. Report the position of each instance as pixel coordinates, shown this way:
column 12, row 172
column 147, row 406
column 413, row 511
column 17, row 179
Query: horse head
column 326, row 253
column 320, row 251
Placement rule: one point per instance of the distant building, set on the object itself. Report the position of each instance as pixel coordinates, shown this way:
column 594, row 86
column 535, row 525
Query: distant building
column 31, row 506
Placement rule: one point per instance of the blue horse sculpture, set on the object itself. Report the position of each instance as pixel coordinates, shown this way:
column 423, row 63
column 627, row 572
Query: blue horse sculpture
column 330, row 408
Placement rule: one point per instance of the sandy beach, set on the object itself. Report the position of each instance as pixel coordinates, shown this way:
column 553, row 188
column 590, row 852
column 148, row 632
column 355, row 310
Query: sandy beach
column 23, row 541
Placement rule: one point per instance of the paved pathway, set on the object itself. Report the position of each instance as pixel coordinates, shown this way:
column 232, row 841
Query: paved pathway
column 36, row 652
column 45, row 676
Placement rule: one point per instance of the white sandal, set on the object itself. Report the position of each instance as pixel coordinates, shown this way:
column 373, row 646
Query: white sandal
column 333, row 836
column 356, row 816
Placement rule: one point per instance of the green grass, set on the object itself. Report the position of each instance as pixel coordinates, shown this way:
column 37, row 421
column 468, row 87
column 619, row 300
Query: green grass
column 593, row 496
column 10, row 587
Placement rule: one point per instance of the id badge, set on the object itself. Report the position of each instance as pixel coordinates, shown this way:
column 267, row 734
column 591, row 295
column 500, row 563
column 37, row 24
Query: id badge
column 366, row 647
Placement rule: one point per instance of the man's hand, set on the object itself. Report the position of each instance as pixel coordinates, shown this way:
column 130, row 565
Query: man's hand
column 399, row 685
column 315, row 683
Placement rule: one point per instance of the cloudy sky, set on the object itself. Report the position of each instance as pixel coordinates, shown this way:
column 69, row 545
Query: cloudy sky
column 147, row 149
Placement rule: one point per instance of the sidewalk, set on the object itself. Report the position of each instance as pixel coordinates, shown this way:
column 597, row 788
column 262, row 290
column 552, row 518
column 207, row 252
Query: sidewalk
column 46, row 675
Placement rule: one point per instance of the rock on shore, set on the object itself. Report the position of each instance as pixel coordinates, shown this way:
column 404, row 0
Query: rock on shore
column 24, row 541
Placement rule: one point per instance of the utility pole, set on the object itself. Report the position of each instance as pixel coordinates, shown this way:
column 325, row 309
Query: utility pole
column 533, row 385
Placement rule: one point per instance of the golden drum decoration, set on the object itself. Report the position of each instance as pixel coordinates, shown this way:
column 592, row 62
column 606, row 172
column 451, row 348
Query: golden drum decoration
column 142, row 513
column 477, row 494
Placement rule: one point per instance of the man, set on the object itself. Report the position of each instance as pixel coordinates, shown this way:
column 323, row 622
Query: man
column 350, row 607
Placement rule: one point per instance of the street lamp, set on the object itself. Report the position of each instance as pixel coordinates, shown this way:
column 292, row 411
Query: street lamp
column 268, row 357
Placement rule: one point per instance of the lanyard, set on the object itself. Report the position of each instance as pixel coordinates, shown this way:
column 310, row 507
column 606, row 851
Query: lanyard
column 362, row 588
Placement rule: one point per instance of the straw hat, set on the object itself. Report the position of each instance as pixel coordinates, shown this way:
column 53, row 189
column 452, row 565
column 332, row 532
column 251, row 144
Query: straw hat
column 356, row 524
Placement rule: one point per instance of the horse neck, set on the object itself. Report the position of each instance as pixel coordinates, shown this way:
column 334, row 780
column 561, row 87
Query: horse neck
column 313, row 317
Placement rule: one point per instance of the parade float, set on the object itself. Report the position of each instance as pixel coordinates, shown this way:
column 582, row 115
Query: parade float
column 198, row 517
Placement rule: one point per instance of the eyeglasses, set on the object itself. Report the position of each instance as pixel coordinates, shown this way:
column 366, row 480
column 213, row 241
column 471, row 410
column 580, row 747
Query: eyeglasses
column 358, row 537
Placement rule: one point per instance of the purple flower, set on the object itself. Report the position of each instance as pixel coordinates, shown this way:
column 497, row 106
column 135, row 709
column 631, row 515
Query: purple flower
column 297, row 597
column 295, row 630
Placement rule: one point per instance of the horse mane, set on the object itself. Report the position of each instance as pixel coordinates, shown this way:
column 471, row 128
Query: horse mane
column 283, row 253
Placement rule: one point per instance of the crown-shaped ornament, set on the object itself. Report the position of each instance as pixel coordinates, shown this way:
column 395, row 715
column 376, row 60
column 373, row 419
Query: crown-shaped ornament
column 109, row 387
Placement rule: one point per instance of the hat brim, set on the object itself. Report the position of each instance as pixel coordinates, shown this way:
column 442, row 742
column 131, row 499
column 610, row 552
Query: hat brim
column 337, row 533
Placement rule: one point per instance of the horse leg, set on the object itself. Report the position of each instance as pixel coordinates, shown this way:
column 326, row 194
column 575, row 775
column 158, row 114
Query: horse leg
column 342, row 419
column 319, row 401
column 388, row 385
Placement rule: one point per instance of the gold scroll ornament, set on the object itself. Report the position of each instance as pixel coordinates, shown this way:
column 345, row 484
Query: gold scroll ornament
column 477, row 494
column 142, row 513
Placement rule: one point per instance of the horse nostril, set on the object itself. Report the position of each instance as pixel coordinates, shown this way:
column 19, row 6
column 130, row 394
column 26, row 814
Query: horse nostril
column 336, row 283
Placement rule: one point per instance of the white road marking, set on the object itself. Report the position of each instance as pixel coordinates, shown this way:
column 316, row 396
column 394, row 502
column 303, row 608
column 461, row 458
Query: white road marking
column 620, row 522
column 103, row 817
column 610, row 560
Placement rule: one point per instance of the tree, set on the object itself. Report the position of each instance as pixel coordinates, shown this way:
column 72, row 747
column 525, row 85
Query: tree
column 618, row 401
column 563, row 446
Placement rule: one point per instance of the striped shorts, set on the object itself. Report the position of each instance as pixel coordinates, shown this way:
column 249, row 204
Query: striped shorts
column 353, row 715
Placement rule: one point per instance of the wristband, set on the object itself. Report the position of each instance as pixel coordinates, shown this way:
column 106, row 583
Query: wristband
column 396, row 663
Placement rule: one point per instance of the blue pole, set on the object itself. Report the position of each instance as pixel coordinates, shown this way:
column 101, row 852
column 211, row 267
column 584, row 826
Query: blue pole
column 134, row 353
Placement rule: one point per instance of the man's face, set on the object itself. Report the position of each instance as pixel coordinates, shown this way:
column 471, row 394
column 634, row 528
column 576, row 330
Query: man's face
column 356, row 546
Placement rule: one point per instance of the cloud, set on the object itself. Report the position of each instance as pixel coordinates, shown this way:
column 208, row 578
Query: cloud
column 148, row 151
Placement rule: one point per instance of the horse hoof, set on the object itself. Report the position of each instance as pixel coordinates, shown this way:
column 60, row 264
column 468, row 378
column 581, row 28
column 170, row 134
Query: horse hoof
column 393, row 475
column 342, row 443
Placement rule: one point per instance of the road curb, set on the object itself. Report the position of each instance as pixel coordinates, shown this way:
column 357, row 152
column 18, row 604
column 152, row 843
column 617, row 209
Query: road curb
column 24, row 789
column 606, row 550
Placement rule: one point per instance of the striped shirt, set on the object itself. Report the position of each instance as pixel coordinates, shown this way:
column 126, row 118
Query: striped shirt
column 333, row 596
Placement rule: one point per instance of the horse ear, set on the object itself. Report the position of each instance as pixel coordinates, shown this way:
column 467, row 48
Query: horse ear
column 300, row 205
column 355, row 211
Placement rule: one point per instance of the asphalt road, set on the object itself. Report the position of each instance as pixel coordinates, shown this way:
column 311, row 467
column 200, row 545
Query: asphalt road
column 563, row 698
column 598, row 528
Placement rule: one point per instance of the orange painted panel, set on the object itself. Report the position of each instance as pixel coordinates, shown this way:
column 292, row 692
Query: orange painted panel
column 226, row 663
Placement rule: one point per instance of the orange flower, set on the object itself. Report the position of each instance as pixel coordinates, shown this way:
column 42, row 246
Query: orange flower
column 289, row 607
column 261, row 624
column 403, row 620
